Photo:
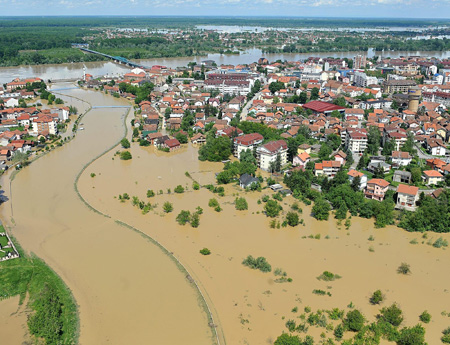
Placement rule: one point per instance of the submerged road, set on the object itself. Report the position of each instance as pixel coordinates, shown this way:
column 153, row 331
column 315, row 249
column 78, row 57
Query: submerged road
column 127, row 289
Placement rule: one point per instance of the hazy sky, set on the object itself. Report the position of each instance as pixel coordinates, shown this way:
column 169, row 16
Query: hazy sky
column 321, row 8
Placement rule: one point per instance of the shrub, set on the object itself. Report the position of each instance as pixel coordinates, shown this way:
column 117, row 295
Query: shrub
column 354, row 321
column 93, row 175
column 195, row 186
column 292, row 218
column 150, row 193
column 259, row 263
column 376, row 298
column 195, row 220
column 205, row 251
column 286, row 339
column 167, row 207
column 125, row 143
column 199, row 210
column 446, row 336
column 339, row 332
column 272, row 208
column 425, row 317
column 440, row 242
column 125, row 155
column 392, row 314
column 404, row 268
column 328, row 276
column 277, row 196
column 291, row 326
column 335, row 314
column 412, row 336
column 179, row 189
column 218, row 208
column 213, row 202
column 296, row 207
column 241, row 204
column 183, row 217
column 265, row 198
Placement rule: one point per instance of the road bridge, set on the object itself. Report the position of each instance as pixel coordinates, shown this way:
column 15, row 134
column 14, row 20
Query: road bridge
column 117, row 59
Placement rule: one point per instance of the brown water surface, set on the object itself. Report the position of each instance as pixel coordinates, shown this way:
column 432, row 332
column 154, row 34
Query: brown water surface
column 251, row 307
column 127, row 289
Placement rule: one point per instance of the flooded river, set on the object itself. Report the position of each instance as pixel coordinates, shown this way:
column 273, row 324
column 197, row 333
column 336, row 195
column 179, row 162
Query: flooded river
column 101, row 68
column 252, row 307
column 127, row 289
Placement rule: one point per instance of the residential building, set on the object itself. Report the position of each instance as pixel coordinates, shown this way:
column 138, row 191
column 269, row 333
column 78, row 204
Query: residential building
column 402, row 176
column 435, row 147
column 356, row 140
column 247, row 142
column 400, row 158
column 301, row 160
column 376, row 189
column 352, row 174
column 391, row 86
column 407, row 196
column 432, row 177
column 359, row 62
column 362, row 80
column 327, row 168
column 267, row 154
column 246, row 181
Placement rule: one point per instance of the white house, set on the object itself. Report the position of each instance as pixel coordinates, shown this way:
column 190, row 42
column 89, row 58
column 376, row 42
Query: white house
column 267, row 154
column 400, row 158
column 352, row 174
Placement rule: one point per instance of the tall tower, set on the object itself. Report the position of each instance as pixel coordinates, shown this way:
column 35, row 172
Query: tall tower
column 414, row 94
column 359, row 61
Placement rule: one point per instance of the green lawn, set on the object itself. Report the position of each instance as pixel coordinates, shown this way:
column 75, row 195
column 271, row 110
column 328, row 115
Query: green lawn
column 3, row 241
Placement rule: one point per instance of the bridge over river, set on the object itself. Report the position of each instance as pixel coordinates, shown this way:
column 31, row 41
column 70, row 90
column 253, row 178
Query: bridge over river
column 118, row 59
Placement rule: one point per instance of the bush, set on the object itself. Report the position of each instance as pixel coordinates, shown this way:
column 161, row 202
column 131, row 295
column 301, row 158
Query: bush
column 377, row 297
column 93, row 175
column 125, row 155
column 412, row 336
column 195, row 220
column 195, row 186
column 425, row 317
column 440, row 242
column 213, row 202
column 354, row 321
column 150, row 193
column 446, row 336
column 205, row 251
column 272, row 208
column 179, row 189
column 286, row 339
column 328, row 276
column 392, row 315
column 259, row 263
column 125, row 143
column 167, row 207
column 291, row 326
column 339, row 332
column 183, row 217
column 292, row 218
column 404, row 268
column 241, row 204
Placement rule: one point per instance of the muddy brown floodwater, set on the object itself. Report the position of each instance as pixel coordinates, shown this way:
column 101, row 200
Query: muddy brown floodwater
column 127, row 289
column 251, row 307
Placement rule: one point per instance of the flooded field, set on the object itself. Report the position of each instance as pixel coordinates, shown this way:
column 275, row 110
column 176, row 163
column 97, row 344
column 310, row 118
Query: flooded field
column 13, row 321
column 127, row 289
column 251, row 307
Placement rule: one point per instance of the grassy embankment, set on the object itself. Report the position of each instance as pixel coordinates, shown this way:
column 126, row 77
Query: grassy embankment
column 55, row 315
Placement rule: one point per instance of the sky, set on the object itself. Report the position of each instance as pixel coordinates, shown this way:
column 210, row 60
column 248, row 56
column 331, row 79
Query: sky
column 314, row 8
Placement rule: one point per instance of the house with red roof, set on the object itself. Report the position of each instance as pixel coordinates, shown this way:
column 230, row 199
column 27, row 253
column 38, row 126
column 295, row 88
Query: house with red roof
column 407, row 196
column 432, row 177
column 267, row 154
column 327, row 168
column 247, row 142
column 352, row 174
column 301, row 160
column 172, row 144
column 376, row 189
column 318, row 107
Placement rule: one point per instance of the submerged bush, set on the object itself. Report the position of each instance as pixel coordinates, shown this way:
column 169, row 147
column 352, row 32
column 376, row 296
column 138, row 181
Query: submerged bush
column 259, row 263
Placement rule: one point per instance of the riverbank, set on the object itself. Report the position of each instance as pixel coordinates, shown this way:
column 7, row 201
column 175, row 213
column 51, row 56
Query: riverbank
column 252, row 306
column 126, row 288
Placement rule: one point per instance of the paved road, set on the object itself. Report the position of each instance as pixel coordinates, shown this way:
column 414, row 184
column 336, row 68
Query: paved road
column 244, row 112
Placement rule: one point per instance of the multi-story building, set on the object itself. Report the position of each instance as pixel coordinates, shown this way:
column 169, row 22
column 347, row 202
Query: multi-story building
column 327, row 168
column 45, row 124
column 400, row 158
column 407, row 196
column 359, row 61
column 363, row 80
column 356, row 140
column 231, row 83
column 247, row 142
column 376, row 189
column 267, row 154
column 432, row 177
column 391, row 86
